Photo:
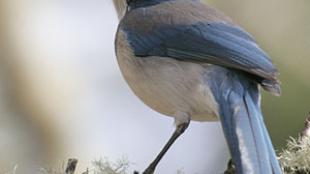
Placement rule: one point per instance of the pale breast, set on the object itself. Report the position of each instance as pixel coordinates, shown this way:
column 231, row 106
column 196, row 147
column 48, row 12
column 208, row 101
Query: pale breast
column 167, row 85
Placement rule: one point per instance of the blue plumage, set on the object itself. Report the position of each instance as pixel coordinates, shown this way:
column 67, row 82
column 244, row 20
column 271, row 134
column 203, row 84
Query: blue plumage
column 207, row 42
column 242, row 122
column 216, row 43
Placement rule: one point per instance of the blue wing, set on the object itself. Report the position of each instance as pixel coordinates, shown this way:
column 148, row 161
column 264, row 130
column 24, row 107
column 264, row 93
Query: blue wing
column 216, row 43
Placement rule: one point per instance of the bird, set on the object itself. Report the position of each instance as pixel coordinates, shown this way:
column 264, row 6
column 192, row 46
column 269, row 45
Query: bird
column 188, row 60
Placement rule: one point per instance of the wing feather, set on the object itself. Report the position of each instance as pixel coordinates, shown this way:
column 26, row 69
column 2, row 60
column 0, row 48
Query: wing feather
column 214, row 42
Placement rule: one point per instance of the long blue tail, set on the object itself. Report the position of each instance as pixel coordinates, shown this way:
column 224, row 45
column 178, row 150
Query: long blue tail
column 242, row 121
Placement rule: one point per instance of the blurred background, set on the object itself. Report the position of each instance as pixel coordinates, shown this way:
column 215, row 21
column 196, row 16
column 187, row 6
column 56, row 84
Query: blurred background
column 62, row 95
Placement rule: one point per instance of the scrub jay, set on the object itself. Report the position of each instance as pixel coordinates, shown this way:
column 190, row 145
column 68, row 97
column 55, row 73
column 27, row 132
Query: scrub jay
column 189, row 61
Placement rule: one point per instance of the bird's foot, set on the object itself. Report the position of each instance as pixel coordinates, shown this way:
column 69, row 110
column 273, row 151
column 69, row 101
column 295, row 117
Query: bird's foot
column 230, row 168
column 149, row 170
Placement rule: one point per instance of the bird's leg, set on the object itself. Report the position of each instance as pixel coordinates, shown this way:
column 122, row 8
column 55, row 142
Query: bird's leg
column 180, row 128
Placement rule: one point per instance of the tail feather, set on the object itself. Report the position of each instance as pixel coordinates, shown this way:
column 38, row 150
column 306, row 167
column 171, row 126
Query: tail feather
column 272, row 154
column 274, row 161
column 244, row 129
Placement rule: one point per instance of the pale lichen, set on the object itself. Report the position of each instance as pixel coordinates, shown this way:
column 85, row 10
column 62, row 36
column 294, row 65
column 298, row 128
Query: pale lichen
column 295, row 158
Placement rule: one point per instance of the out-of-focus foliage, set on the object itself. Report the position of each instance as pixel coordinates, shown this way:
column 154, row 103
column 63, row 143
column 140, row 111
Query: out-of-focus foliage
column 104, row 166
column 101, row 166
